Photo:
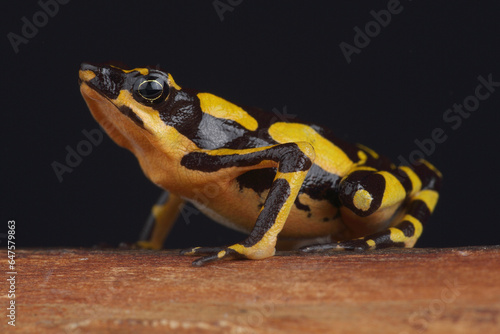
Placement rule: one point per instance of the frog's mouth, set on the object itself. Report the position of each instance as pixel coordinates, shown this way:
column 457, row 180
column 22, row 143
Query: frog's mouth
column 104, row 83
column 114, row 121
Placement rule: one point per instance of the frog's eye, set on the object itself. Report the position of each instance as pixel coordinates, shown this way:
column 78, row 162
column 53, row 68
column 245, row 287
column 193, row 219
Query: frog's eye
column 151, row 89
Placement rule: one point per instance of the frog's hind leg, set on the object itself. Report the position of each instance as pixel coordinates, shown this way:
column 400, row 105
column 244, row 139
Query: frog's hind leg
column 422, row 183
column 160, row 221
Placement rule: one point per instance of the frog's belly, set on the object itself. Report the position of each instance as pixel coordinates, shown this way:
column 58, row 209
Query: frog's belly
column 321, row 220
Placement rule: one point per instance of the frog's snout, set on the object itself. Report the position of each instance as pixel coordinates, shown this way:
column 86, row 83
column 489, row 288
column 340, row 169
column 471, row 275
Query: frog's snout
column 87, row 73
column 104, row 79
column 89, row 67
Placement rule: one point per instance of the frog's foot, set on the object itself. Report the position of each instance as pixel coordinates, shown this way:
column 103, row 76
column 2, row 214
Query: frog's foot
column 359, row 245
column 147, row 245
column 236, row 251
column 212, row 254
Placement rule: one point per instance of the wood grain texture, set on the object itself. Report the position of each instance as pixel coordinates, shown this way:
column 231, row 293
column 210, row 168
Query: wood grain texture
column 136, row 291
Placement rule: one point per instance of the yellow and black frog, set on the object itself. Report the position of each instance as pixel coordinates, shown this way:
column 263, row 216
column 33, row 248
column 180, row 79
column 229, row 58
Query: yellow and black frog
column 270, row 178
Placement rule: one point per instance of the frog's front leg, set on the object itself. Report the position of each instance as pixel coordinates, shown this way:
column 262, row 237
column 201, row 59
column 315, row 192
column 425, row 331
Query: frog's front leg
column 375, row 198
column 292, row 160
column 160, row 221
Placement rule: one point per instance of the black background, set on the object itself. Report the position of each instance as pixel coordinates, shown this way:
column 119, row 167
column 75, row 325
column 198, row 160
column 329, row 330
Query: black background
column 269, row 54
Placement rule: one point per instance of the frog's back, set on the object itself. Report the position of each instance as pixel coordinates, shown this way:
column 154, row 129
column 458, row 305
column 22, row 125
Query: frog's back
column 333, row 154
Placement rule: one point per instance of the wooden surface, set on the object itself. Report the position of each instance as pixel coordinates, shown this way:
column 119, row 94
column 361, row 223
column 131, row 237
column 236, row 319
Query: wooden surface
column 125, row 291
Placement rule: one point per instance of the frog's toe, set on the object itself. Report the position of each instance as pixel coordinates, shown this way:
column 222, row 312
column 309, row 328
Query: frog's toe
column 352, row 245
column 223, row 254
column 318, row 248
column 212, row 254
column 357, row 245
column 201, row 250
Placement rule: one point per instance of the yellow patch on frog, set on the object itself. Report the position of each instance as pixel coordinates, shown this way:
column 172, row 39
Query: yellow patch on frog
column 371, row 243
column 429, row 197
column 369, row 150
column 394, row 191
column 142, row 70
column 86, row 75
column 410, row 242
column 362, row 158
column 431, row 167
column 397, row 235
column 362, row 199
column 367, row 168
column 293, row 178
column 172, row 83
column 328, row 156
column 416, row 183
column 230, row 151
column 220, row 108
